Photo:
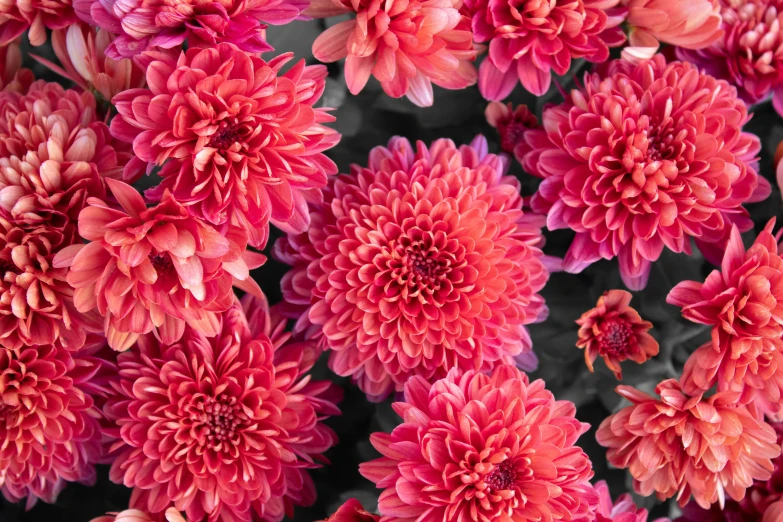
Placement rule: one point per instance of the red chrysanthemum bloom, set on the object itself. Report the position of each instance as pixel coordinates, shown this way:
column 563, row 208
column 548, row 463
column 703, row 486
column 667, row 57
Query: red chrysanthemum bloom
column 511, row 125
column 406, row 44
column 49, row 432
column 622, row 510
column 147, row 24
column 422, row 262
column 135, row 515
column 615, row 331
column 645, row 157
column 476, row 447
column 750, row 53
column 18, row 16
column 743, row 302
column 238, row 143
column 154, row 269
column 689, row 445
column 530, row 40
column 352, row 511
column 222, row 428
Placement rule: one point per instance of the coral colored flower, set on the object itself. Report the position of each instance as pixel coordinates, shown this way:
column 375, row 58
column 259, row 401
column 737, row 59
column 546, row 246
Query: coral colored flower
column 154, row 269
column 238, row 143
column 135, row 515
column 406, row 44
column 12, row 76
column 49, row 433
column 689, row 445
column 352, row 511
column 645, row 157
column 750, row 54
column 422, row 262
column 616, row 332
column 692, row 24
column 222, row 428
column 476, row 447
column 145, row 24
column 34, row 16
column 622, row 510
column 530, row 40
column 511, row 124
column 743, row 302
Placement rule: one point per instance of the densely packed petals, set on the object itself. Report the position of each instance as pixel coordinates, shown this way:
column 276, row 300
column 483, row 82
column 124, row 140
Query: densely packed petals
column 239, row 142
column 49, row 432
column 222, row 428
column 154, row 269
column 35, row 17
column 511, row 125
column 421, row 262
column 681, row 445
column 476, row 447
column 644, row 157
column 352, row 511
column 531, row 40
column 615, row 331
column 408, row 45
column 142, row 25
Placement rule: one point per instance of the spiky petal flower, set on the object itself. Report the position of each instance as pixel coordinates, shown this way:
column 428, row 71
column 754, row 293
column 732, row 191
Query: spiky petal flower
column 352, row 511
column 154, row 269
column 529, row 41
column 421, row 262
column 689, row 445
column 406, row 44
column 476, row 447
column 49, row 432
column 222, row 428
column 645, row 157
column 511, row 124
column 34, row 16
column 239, row 143
column 616, row 332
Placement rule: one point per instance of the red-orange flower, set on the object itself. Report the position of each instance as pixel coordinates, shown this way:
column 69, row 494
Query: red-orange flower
column 616, row 332
column 689, row 445
column 352, row 511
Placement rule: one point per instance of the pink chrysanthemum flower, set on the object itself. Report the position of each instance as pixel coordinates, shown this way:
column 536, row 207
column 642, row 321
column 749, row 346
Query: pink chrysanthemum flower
column 222, row 428
column 135, row 515
column 49, row 433
column 645, row 157
column 528, row 41
column 476, row 447
column 750, row 54
column 621, row 510
column 422, row 262
column 511, row 125
column 743, row 302
column 154, row 269
column 406, row 44
column 34, row 16
column 238, row 142
column 689, row 445
column 145, row 24
column 352, row 511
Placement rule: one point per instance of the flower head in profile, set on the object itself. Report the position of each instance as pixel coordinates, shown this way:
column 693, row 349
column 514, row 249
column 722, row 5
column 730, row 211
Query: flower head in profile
column 511, row 125
column 142, row 25
column 154, row 269
column 641, row 158
column 12, row 76
column 420, row 262
column 531, row 40
column 407, row 45
column 743, row 302
column 615, row 331
column 688, row 25
column 239, row 142
column 49, row 432
column 621, row 510
column 221, row 428
column 135, row 515
column 477, row 447
column 352, row 511
column 681, row 445
column 35, row 17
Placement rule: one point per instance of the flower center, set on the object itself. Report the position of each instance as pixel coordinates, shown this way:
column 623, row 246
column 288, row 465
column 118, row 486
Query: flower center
column 614, row 338
column 220, row 420
column 162, row 263
column 511, row 134
column 502, row 477
column 423, row 267
column 224, row 137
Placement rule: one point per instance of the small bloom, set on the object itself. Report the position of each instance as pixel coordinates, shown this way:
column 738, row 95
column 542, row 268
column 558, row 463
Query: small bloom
column 529, row 41
column 142, row 25
column 12, row 77
column 511, row 125
column 622, row 510
column 408, row 45
column 352, row 511
column 134, row 515
column 644, row 157
column 239, row 143
column 689, row 445
column 476, row 447
column 689, row 24
column 34, row 16
column 422, row 262
column 222, row 428
column 616, row 332
column 154, row 269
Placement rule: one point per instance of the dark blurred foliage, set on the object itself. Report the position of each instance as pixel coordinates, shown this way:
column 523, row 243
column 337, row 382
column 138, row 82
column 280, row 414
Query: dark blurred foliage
column 370, row 119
